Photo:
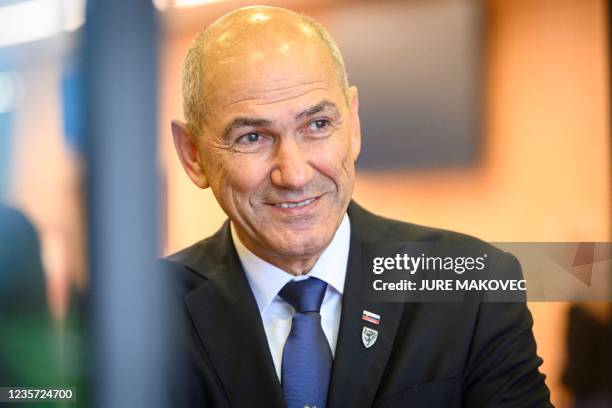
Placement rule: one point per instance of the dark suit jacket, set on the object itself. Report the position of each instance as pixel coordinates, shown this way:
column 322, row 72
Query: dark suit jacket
column 471, row 353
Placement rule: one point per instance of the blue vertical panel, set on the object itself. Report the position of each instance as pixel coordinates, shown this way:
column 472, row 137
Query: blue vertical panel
column 72, row 105
column 120, row 128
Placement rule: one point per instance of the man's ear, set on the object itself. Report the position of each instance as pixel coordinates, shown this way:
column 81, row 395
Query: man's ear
column 187, row 151
column 353, row 96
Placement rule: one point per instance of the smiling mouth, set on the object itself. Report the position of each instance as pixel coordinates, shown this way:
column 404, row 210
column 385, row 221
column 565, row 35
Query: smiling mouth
column 296, row 204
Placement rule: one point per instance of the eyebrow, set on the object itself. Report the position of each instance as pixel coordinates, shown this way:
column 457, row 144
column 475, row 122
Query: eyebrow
column 318, row 108
column 242, row 121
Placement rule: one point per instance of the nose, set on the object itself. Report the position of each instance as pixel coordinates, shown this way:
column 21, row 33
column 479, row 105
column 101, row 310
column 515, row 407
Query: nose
column 292, row 169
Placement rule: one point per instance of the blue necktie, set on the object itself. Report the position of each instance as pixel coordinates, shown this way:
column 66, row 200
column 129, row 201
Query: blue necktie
column 307, row 359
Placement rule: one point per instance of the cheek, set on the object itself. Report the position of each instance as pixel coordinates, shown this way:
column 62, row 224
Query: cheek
column 334, row 158
column 241, row 174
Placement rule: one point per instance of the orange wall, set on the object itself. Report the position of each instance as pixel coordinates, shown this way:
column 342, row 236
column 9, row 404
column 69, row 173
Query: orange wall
column 544, row 173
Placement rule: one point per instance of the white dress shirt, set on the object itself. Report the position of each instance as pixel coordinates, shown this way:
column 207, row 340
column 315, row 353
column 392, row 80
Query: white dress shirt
column 266, row 280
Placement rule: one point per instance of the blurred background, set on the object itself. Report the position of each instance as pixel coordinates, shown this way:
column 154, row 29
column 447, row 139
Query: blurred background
column 487, row 117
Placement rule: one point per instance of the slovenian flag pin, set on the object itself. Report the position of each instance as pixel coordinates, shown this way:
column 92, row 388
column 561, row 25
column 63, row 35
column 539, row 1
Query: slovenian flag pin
column 370, row 317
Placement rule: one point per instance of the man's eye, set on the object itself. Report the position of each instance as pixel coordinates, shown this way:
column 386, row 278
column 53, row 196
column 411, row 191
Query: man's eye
column 319, row 124
column 249, row 138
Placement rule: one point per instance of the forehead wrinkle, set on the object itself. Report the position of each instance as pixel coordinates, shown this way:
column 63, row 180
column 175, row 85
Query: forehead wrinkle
column 287, row 88
column 287, row 98
column 278, row 91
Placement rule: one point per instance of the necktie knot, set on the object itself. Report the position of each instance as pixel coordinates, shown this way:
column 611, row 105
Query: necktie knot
column 304, row 295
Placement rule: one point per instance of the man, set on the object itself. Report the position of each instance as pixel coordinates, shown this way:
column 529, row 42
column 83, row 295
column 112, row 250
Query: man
column 272, row 301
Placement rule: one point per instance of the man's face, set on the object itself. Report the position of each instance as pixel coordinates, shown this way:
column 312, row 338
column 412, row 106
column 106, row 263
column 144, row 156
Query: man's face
column 278, row 147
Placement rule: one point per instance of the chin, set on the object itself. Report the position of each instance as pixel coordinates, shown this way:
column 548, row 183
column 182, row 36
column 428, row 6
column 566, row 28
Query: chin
column 302, row 243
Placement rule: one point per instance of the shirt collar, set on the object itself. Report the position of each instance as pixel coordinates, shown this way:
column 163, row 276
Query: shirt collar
column 266, row 280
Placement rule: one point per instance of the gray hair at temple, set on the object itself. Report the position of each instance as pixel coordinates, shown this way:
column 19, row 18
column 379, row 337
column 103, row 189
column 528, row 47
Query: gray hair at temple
column 194, row 104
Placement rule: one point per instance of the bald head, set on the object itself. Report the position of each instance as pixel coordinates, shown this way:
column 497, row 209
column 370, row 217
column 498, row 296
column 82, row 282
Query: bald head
column 243, row 43
column 273, row 130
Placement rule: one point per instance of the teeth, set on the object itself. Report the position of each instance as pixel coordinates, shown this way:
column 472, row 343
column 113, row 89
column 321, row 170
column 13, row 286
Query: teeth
column 293, row 205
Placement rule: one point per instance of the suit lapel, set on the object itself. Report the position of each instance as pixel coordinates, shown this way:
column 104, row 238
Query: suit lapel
column 225, row 315
column 357, row 370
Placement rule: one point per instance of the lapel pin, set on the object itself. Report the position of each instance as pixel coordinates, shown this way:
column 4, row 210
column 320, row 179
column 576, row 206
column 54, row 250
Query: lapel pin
column 369, row 336
column 370, row 317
